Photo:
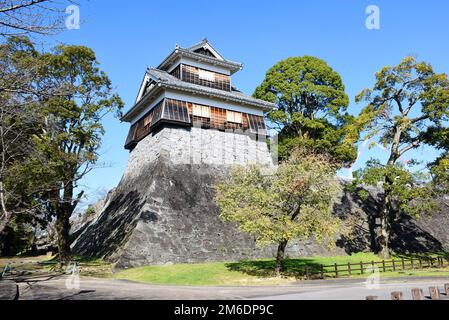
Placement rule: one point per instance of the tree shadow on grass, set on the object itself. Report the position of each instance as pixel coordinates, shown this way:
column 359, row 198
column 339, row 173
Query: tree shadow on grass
column 297, row 268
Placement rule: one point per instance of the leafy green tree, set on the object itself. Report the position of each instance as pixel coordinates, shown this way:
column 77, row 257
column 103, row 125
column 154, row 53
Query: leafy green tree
column 293, row 201
column 408, row 107
column 51, row 109
column 438, row 137
column 21, row 90
column 311, row 107
column 72, row 137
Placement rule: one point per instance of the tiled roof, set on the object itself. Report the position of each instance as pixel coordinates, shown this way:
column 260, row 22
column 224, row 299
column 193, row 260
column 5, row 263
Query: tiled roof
column 190, row 52
column 165, row 80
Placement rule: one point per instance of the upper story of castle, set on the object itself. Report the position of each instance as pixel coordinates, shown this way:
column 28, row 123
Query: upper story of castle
column 193, row 87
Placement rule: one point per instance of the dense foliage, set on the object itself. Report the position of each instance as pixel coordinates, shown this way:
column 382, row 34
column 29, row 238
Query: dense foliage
column 408, row 107
column 311, row 107
column 293, row 201
column 52, row 106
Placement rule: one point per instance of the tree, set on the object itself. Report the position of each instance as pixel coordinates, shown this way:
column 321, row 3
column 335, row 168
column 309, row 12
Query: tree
column 24, row 17
column 293, row 201
column 408, row 107
column 51, row 108
column 72, row 138
column 311, row 110
column 21, row 89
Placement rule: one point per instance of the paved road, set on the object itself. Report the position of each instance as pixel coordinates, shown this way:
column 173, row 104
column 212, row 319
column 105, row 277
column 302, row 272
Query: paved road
column 61, row 287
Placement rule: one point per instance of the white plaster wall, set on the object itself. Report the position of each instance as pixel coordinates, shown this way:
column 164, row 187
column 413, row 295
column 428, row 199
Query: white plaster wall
column 202, row 65
column 198, row 146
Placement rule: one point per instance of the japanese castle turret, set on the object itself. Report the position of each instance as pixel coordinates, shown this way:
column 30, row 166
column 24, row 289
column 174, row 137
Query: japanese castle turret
column 189, row 124
column 188, row 110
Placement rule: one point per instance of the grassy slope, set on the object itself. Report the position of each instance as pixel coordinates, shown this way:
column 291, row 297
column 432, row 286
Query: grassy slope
column 255, row 272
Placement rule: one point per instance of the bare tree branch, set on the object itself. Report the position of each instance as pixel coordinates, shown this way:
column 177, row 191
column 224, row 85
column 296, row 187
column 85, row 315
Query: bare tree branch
column 24, row 17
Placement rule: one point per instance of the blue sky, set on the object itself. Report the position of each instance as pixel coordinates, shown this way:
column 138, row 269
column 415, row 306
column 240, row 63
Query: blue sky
column 129, row 36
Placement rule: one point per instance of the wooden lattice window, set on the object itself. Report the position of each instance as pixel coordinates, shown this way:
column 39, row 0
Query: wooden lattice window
column 257, row 124
column 131, row 135
column 175, row 110
column 157, row 113
column 176, row 72
column 205, row 78
column 201, row 111
column 234, row 117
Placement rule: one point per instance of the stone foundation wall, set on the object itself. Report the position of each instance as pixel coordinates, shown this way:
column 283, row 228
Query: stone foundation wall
column 197, row 146
column 163, row 210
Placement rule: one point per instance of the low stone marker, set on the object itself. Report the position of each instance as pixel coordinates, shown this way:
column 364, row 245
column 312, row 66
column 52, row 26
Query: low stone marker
column 417, row 294
column 446, row 289
column 372, row 298
column 397, row 295
column 434, row 293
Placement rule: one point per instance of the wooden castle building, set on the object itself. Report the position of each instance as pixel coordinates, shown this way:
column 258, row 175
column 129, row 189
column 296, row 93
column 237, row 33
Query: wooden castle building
column 192, row 87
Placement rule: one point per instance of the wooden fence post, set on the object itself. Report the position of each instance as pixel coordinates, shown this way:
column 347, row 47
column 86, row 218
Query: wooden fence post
column 361, row 267
column 349, row 269
column 403, row 264
column 394, row 266
column 397, row 295
column 411, row 264
column 383, row 266
column 336, row 270
column 420, row 263
column 322, row 271
column 373, row 267
column 434, row 293
column 417, row 294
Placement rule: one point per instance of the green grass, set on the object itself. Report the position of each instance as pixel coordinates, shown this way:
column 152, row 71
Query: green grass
column 194, row 274
column 250, row 272
column 255, row 272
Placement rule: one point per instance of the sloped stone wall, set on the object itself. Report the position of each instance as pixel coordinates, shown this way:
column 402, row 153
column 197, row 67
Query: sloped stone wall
column 163, row 209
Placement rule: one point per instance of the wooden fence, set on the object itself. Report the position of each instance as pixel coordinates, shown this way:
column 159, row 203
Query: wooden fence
column 350, row 269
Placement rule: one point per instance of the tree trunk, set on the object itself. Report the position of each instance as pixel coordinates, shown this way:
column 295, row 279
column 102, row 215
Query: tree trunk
column 3, row 224
column 387, row 209
column 4, row 216
column 384, row 239
column 280, row 257
column 63, row 213
column 385, row 228
column 63, row 231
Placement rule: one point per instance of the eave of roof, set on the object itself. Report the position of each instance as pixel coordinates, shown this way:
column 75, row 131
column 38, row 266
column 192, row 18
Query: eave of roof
column 171, row 82
column 179, row 52
column 205, row 44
